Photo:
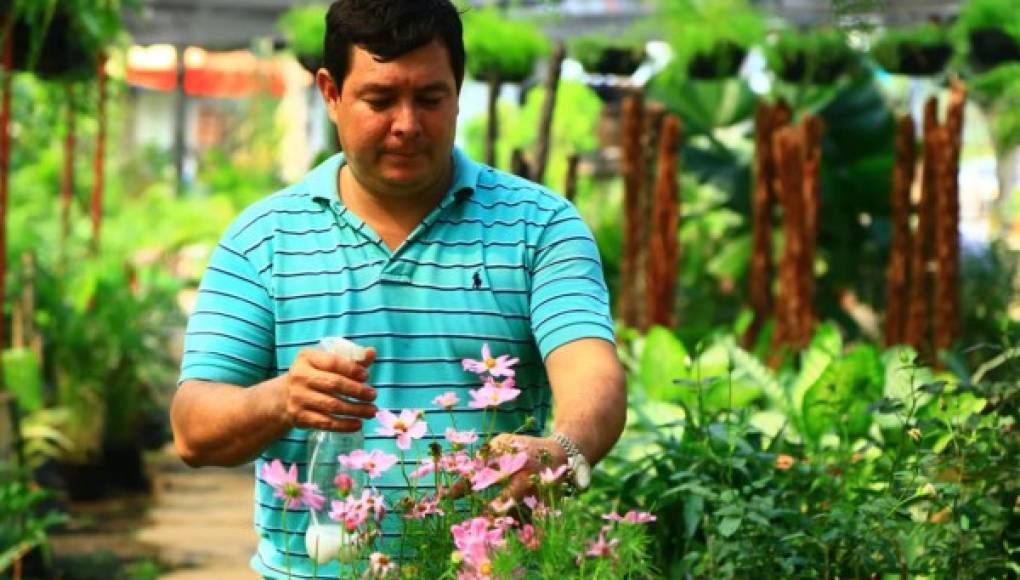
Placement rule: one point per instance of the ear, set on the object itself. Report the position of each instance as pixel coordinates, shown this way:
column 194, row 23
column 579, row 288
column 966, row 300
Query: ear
column 329, row 91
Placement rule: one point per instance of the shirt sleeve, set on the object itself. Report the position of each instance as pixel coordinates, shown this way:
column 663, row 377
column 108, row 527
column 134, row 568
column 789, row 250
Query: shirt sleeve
column 230, row 335
column 569, row 299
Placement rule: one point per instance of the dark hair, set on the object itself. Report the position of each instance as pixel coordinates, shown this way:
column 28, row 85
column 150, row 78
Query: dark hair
column 389, row 29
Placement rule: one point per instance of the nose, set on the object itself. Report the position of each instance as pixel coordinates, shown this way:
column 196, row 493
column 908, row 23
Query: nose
column 405, row 122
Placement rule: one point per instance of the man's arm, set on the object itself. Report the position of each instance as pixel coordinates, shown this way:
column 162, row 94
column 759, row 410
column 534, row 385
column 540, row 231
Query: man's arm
column 589, row 406
column 224, row 424
column 589, row 395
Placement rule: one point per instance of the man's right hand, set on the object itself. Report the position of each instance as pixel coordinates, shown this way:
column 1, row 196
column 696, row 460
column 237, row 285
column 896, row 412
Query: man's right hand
column 328, row 391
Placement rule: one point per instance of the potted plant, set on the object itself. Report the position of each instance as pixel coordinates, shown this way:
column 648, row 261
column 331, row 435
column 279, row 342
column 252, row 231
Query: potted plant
column 304, row 27
column 62, row 40
column 916, row 51
column 814, row 57
column 500, row 48
column 601, row 54
column 988, row 31
column 711, row 39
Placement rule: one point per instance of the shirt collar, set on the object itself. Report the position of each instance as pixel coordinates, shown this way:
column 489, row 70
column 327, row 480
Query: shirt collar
column 320, row 183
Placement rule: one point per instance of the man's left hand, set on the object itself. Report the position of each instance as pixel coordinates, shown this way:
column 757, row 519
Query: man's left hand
column 542, row 453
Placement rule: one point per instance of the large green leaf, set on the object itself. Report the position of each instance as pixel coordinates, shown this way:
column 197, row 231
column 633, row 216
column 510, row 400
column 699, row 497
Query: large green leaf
column 664, row 359
column 825, row 347
column 22, row 377
column 838, row 401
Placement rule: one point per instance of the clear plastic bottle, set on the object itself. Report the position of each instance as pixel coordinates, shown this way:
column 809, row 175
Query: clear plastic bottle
column 325, row 540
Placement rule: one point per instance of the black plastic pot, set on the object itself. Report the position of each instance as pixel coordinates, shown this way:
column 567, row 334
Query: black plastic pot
column 922, row 59
column 799, row 67
column 85, row 481
column 990, row 47
column 125, row 468
column 62, row 55
column 311, row 63
column 722, row 61
column 616, row 61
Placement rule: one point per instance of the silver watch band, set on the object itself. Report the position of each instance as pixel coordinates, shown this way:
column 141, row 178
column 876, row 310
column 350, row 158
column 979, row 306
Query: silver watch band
column 567, row 444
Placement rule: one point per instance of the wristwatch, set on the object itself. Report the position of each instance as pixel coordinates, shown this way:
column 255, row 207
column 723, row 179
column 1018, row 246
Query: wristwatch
column 580, row 470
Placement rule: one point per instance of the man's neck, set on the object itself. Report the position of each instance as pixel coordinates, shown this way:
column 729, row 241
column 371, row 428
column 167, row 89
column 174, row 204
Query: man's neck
column 393, row 217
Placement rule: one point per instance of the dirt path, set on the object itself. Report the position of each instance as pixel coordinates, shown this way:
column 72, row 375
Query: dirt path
column 197, row 523
column 201, row 521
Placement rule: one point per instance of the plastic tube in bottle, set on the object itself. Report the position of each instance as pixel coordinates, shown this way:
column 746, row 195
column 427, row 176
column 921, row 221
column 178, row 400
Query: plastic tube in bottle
column 325, row 539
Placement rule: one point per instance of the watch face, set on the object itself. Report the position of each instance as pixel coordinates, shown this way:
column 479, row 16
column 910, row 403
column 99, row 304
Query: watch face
column 581, row 471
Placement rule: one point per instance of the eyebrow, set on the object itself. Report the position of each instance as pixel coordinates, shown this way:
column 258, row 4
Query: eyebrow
column 438, row 86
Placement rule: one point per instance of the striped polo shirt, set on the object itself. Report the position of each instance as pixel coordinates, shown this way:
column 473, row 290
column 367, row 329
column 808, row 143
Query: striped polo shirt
column 500, row 260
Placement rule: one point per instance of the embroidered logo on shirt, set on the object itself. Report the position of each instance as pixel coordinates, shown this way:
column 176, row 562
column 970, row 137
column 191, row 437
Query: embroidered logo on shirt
column 477, row 279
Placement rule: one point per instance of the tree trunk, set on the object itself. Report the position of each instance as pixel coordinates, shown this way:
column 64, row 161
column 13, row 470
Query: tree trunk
column 570, row 187
column 492, row 130
column 633, row 184
column 788, row 147
column 946, row 320
column 921, row 278
column 812, row 128
column 897, row 280
column 552, row 83
column 664, row 247
column 97, row 185
column 67, row 183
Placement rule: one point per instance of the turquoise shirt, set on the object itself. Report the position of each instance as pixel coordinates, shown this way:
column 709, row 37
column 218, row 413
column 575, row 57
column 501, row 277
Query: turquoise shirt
column 500, row 260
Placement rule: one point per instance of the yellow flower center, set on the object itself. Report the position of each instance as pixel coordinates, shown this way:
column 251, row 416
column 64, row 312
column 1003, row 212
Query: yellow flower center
column 399, row 425
column 485, row 569
column 490, row 362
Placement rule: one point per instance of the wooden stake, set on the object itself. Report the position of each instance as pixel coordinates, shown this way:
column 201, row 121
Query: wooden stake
column 633, row 184
column 552, row 83
column 921, row 278
column 664, row 247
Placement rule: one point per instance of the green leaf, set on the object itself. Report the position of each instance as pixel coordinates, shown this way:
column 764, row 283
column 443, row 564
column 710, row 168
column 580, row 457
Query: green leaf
column 815, row 361
column 839, row 400
column 22, row 377
column 664, row 359
column 694, row 508
column 729, row 526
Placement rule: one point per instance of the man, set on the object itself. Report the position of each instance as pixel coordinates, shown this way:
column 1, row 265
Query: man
column 404, row 245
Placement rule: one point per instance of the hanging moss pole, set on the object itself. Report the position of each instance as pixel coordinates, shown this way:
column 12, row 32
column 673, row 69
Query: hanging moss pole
column 897, row 280
column 921, row 279
column 664, row 248
column 633, row 185
column 947, row 219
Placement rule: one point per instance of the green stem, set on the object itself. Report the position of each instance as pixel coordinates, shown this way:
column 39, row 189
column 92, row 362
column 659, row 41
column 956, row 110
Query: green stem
column 286, row 543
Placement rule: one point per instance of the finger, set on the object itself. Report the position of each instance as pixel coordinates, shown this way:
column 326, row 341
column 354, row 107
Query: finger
column 458, row 489
column 327, row 361
column 334, row 384
column 311, row 419
column 331, row 405
column 519, row 486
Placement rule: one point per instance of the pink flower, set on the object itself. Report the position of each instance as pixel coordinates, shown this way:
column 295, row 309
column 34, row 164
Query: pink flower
column 375, row 463
column 474, row 538
column 380, row 566
column 350, row 512
column 497, row 367
column 492, row 396
column 405, row 427
column 538, row 509
column 426, row 507
column 551, row 475
column 600, row 548
column 446, row 400
column 507, row 383
column 529, row 537
column 631, row 517
column 506, row 465
column 286, row 487
column 461, row 437
column 344, row 484
column 426, row 467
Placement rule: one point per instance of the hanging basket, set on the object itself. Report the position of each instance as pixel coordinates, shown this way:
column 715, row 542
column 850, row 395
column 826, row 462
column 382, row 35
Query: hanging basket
column 990, row 47
column 311, row 62
column 722, row 61
column 619, row 61
column 916, row 59
column 63, row 54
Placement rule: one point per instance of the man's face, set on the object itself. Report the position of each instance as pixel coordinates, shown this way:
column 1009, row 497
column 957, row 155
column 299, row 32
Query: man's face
column 397, row 120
